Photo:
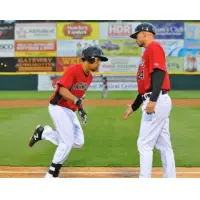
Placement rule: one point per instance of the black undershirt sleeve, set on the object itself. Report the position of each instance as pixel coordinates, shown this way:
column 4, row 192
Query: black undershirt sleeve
column 157, row 78
column 136, row 104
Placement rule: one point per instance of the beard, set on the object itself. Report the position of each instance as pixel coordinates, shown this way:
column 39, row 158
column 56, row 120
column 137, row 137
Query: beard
column 139, row 44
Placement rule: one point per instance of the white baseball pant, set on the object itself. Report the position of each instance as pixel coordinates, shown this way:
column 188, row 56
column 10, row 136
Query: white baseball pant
column 68, row 133
column 155, row 133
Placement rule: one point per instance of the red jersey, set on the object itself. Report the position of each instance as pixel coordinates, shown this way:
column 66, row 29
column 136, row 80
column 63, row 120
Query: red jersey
column 153, row 57
column 76, row 81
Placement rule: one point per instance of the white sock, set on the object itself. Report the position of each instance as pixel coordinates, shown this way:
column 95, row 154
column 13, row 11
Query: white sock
column 47, row 175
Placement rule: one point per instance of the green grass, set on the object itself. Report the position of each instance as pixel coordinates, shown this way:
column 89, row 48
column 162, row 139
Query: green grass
column 13, row 95
column 109, row 141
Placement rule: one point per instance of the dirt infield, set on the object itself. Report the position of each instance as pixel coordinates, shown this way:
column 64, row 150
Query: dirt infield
column 41, row 103
column 91, row 172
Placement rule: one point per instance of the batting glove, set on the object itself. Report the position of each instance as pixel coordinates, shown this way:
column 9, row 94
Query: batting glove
column 83, row 115
column 78, row 102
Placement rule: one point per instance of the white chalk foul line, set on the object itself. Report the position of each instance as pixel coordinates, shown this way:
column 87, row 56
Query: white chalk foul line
column 90, row 173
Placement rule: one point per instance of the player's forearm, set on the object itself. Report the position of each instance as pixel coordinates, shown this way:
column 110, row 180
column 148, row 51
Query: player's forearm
column 66, row 94
column 137, row 103
column 157, row 77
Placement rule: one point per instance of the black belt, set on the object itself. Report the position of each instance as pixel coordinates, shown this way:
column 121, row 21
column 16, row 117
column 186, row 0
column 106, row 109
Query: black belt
column 148, row 94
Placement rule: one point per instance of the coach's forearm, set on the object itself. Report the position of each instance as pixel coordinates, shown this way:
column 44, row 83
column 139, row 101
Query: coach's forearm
column 137, row 103
column 66, row 94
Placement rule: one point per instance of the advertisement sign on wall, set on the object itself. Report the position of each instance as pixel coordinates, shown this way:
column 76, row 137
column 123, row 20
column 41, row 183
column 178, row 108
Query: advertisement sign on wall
column 48, row 83
column 191, row 48
column 120, row 64
column 169, row 30
column 87, row 31
column 35, row 31
column 192, row 62
column 73, row 48
column 192, row 30
column 35, row 48
column 6, row 31
column 172, row 47
column 63, row 62
column 7, row 48
column 192, row 44
column 117, row 30
column 114, row 86
column 191, row 53
column 175, row 64
column 120, row 48
column 185, row 52
column 45, row 64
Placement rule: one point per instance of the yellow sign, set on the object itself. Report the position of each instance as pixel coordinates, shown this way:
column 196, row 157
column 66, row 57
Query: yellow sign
column 35, row 54
column 87, row 31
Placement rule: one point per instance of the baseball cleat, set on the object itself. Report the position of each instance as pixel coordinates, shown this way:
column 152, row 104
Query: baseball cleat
column 37, row 135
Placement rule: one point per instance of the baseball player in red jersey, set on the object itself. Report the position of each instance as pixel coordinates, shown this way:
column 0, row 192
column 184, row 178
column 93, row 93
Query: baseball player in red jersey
column 65, row 101
column 153, row 86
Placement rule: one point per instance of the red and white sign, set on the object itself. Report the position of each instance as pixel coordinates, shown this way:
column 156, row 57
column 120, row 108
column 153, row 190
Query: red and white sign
column 116, row 30
column 77, row 31
column 35, row 46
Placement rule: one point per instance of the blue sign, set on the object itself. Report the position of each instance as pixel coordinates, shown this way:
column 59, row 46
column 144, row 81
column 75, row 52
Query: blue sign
column 169, row 30
column 193, row 52
column 192, row 44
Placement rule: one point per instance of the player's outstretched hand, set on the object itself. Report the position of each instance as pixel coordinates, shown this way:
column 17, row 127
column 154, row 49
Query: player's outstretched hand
column 83, row 115
column 128, row 112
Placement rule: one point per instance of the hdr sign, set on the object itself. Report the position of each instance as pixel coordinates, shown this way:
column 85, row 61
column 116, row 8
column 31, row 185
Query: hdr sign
column 117, row 30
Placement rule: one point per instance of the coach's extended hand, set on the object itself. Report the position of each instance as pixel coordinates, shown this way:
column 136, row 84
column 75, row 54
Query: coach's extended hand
column 128, row 112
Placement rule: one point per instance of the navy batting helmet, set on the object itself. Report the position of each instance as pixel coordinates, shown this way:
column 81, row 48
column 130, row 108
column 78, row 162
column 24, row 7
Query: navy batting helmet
column 143, row 27
column 90, row 53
